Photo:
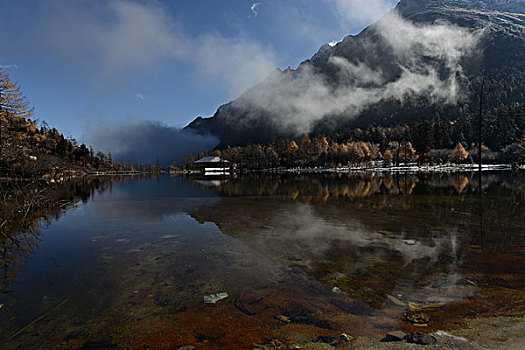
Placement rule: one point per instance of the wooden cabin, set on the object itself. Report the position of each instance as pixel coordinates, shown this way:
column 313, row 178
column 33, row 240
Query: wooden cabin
column 212, row 166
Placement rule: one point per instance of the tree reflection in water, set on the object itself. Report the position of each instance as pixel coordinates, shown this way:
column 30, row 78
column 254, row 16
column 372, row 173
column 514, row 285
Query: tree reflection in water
column 372, row 235
column 27, row 205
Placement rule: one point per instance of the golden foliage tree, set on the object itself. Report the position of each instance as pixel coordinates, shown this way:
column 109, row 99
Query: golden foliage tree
column 215, row 153
column 459, row 153
column 407, row 153
column 387, row 157
column 12, row 101
column 322, row 144
column 291, row 152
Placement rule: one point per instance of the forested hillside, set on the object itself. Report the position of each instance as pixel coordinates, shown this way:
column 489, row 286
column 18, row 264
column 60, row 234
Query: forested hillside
column 427, row 141
column 29, row 148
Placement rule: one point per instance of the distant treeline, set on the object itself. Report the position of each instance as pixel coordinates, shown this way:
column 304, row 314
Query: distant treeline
column 426, row 141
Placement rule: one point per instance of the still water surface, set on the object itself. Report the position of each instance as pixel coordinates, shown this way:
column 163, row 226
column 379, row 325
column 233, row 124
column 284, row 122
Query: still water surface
column 299, row 256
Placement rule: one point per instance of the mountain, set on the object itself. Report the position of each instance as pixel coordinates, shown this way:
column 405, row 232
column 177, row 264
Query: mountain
column 425, row 58
column 499, row 5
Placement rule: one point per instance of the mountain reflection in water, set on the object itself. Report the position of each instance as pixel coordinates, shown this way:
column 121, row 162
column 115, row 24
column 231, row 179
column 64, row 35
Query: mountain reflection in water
column 327, row 253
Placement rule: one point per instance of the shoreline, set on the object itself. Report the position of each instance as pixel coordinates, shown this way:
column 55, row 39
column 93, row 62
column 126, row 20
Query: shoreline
column 412, row 168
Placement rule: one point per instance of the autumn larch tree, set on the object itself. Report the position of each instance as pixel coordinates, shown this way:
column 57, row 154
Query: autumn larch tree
column 407, row 153
column 291, row 153
column 12, row 102
column 387, row 157
column 459, row 154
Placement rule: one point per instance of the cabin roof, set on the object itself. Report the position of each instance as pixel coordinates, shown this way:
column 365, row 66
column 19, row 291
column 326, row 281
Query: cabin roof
column 211, row 160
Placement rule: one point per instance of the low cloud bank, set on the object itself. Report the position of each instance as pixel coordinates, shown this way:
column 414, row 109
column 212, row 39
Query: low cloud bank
column 146, row 140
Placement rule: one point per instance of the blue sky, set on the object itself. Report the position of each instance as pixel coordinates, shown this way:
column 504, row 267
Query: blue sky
column 85, row 63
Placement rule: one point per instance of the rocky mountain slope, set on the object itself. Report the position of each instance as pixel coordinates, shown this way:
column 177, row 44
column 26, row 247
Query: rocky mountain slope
column 499, row 5
column 425, row 58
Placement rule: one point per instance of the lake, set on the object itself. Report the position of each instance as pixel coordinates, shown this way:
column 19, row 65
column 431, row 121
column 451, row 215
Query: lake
column 302, row 259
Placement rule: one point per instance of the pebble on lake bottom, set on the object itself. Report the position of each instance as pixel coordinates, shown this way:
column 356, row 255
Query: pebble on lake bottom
column 213, row 298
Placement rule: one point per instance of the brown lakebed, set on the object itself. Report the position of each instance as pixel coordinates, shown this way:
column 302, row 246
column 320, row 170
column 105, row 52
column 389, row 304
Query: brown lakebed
column 303, row 259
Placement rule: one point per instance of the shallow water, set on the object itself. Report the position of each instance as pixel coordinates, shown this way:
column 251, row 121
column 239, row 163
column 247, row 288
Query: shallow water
column 299, row 256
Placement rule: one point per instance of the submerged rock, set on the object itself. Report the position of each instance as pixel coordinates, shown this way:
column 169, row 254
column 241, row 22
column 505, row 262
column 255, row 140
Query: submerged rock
column 213, row 298
column 394, row 336
column 345, row 338
column 410, row 241
column 395, row 300
column 417, row 318
column 421, row 339
column 413, row 306
column 337, row 290
column 283, row 318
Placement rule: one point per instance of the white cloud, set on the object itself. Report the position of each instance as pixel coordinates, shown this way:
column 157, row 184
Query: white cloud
column 255, row 8
column 116, row 36
column 124, row 36
column 8, row 66
column 140, row 96
column 240, row 62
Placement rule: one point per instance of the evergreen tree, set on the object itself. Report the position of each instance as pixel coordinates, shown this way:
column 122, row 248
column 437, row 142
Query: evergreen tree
column 423, row 138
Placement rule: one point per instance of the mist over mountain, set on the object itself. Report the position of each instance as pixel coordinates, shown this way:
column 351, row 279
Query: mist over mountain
column 425, row 58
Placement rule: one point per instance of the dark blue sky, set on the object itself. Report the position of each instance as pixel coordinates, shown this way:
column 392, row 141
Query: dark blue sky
column 85, row 63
